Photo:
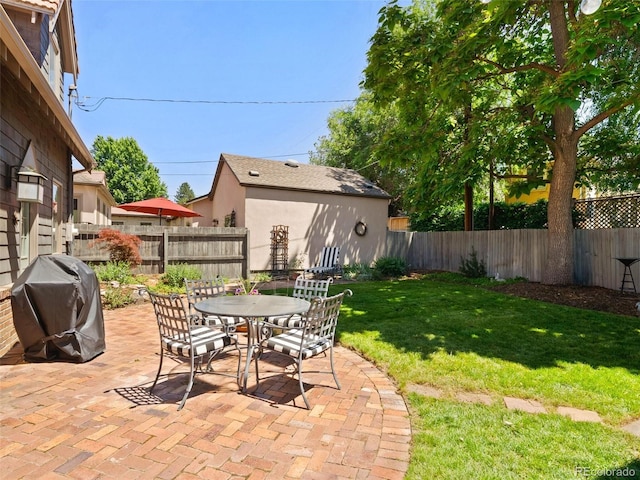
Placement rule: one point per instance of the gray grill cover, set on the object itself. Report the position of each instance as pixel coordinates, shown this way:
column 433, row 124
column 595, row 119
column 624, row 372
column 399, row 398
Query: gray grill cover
column 57, row 311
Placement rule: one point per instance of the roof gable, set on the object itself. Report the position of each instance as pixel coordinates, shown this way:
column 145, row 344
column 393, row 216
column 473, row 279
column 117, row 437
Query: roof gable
column 289, row 175
column 61, row 15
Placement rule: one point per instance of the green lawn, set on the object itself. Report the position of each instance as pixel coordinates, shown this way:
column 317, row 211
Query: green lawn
column 464, row 338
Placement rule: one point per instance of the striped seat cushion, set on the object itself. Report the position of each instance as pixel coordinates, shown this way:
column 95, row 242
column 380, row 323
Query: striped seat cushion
column 320, row 269
column 289, row 321
column 204, row 340
column 289, row 344
column 216, row 321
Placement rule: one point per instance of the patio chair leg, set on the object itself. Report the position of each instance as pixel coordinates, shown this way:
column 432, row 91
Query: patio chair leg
column 304, row 396
column 333, row 370
column 159, row 370
column 192, row 375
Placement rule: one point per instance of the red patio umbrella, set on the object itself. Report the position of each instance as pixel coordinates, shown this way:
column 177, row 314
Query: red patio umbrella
column 159, row 206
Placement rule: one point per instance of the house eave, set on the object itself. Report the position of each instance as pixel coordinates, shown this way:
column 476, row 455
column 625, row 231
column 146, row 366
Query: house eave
column 309, row 190
column 18, row 59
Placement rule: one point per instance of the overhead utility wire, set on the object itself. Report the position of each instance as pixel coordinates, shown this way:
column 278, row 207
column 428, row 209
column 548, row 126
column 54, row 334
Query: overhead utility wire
column 216, row 160
column 93, row 107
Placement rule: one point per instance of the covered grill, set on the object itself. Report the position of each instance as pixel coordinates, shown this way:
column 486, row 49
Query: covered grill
column 57, row 311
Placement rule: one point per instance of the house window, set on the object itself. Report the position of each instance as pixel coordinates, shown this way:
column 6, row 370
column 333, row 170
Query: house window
column 25, row 234
column 56, row 218
column 76, row 212
column 145, row 224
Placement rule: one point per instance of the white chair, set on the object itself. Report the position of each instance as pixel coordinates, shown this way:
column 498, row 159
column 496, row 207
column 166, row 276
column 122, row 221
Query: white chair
column 183, row 340
column 306, row 289
column 314, row 336
column 329, row 263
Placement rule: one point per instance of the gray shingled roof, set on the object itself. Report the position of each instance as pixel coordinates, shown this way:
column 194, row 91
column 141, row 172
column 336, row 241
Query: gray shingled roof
column 289, row 175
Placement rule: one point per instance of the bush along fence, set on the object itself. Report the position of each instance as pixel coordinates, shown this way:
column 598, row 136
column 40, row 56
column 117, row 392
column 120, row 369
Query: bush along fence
column 521, row 253
column 621, row 211
column 216, row 251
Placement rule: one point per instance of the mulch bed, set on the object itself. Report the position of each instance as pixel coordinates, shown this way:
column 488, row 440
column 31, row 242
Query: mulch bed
column 590, row 298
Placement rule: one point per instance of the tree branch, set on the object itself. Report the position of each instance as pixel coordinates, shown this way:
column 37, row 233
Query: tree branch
column 522, row 68
column 603, row 116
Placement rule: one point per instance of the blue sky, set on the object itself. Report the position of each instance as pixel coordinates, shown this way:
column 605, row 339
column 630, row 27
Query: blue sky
column 217, row 51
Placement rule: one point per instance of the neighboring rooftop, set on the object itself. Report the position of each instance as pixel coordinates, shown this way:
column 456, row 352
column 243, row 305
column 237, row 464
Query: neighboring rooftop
column 290, row 175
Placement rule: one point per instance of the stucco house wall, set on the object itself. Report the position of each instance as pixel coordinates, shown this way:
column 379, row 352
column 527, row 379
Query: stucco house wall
column 92, row 200
column 315, row 220
column 120, row 216
column 229, row 198
column 319, row 205
column 203, row 206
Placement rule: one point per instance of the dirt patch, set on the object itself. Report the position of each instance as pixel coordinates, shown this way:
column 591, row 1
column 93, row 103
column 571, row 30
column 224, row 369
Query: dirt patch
column 590, row 298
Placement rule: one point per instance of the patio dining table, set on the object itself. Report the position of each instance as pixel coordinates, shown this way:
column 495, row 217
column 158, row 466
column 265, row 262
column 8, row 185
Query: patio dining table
column 252, row 308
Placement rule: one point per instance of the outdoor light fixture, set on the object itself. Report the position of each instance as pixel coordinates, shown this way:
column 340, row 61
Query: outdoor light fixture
column 30, row 182
column 590, row 6
column 31, row 186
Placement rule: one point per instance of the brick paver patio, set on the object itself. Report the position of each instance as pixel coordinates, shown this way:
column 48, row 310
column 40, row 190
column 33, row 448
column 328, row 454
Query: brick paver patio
column 98, row 420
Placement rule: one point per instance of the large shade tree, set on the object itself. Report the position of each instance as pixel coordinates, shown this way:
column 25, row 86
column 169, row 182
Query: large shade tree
column 130, row 175
column 510, row 83
column 355, row 141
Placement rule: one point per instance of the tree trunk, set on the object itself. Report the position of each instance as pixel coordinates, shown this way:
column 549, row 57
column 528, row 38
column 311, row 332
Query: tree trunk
column 559, row 265
column 468, row 188
column 468, row 207
column 492, row 212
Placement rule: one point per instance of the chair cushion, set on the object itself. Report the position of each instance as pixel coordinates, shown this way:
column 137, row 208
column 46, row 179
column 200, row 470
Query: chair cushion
column 289, row 321
column 320, row 269
column 216, row 321
column 289, row 344
column 204, row 340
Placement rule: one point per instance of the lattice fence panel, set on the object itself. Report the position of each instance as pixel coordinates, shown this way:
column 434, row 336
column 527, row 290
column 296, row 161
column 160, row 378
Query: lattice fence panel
column 609, row 212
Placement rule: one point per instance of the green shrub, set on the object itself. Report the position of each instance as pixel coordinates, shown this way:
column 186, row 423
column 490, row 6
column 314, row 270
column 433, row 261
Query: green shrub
column 117, row 298
column 507, row 216
column 114, row 272
column 175, row 274
column 357, row 271
column 261, row 277
column 390, row 267
column 472, row 267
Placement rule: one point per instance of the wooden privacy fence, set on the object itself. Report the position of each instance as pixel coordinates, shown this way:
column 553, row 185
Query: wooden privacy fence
column 521, row 253
column 215, row 250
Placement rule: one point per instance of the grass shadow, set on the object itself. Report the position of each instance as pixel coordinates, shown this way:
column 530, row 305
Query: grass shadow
column 428, row 317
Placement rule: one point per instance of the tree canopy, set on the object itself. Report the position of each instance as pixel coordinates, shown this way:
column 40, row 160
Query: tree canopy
column 515, row 88
column 130, row 175
column 184, row 193
column 354, row 141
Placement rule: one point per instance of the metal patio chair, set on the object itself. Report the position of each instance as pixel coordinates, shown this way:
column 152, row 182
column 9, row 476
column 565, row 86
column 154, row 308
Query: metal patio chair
column 201, row 289
column 184, row 340
column 314, row 336
column 307, row 289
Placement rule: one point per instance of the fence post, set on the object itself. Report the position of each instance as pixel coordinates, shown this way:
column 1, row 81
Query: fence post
column 164, row 254
column 245, row 253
